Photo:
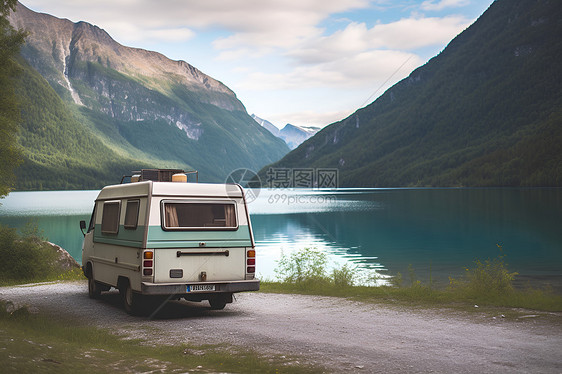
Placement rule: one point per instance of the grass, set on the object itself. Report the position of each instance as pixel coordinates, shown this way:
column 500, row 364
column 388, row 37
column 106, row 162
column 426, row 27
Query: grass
column 41, row 343
column 423, row 295
column 487, row 283
column 74, row 274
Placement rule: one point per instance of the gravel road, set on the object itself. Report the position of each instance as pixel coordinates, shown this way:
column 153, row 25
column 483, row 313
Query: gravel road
column 340, row 335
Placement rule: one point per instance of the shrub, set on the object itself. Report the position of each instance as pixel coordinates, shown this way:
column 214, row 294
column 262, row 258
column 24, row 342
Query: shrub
column 489, row 278
column 25, row 257
column 397, row 280
column 308, row 268
column 303, row 266
column 344, row 276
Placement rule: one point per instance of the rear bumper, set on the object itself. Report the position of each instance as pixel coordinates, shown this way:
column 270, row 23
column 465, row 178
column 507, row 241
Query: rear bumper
column 180, row 289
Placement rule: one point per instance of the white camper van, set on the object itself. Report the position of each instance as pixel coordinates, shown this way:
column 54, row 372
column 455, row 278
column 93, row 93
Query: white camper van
column 160, row 235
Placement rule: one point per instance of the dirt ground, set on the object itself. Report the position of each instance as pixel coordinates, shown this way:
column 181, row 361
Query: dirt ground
column 340, row 335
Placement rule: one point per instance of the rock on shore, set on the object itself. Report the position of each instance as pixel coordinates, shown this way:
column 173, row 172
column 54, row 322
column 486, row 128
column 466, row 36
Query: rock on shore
column 65, row 260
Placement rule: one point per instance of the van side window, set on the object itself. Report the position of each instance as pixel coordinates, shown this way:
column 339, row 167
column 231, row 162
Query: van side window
column 92, row 220
column 110, row 217
column 202, row 216
column 132, row 214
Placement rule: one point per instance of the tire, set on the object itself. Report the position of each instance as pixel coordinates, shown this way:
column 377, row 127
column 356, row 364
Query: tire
column 217, row 302
column 132, row 301
column 94, row 288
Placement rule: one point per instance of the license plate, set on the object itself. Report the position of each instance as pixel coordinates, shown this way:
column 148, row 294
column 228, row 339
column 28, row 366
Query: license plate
column 201, row 288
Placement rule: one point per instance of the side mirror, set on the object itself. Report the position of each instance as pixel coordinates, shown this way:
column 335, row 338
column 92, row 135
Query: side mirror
column 83, row 227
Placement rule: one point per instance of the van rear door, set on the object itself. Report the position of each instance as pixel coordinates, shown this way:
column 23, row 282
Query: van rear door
column 200, row 240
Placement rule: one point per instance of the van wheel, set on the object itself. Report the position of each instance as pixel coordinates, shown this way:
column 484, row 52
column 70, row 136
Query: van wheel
column 217, row 302
column 94, row 288
column 132, row 301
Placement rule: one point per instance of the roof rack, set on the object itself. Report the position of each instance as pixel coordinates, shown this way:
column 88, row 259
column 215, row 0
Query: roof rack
column 158, row 175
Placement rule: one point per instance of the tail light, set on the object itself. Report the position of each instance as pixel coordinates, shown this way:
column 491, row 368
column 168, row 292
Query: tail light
column 250, row 263
column 148, row 263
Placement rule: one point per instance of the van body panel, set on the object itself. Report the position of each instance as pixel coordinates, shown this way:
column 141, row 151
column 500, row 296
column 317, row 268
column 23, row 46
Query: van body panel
column 109, row 264
column 229, row 191
column 132, row 189
column 215, row 266
column 127, row 238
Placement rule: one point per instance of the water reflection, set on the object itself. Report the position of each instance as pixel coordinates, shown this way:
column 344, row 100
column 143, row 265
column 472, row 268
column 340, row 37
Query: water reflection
column 276, row 234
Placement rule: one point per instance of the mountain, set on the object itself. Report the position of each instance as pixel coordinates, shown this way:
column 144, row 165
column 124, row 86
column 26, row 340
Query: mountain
column 487, row 111
column 295, row 135
column 292, row 135
column 267, row 125
column 139, row 104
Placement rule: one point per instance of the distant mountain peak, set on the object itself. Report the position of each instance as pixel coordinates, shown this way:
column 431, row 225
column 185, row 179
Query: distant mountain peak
column 266, row 124
column 291, row 134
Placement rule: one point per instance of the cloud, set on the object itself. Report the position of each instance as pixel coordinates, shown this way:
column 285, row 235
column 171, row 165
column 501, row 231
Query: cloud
column 358, row 56
column 366, row 69
column 404, row 34
column 137, row 34
column 281, row 23
column 236, row 54
column 433, row 5
column 419, row 32
column 272, row 23
column 254, row 25
column 180, row 34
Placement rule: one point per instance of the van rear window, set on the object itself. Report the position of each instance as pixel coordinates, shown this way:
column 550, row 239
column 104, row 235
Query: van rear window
column 200, row 216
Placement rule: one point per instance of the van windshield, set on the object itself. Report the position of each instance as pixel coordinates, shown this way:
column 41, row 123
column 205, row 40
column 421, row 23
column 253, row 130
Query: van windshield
column 203, row 216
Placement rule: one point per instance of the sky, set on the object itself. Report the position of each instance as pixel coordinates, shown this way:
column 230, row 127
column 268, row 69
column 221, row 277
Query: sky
column 304, row 62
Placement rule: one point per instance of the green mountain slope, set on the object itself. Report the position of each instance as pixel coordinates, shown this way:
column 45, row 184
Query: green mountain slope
column 138, row 104
column 487, row 111
column 59, row 152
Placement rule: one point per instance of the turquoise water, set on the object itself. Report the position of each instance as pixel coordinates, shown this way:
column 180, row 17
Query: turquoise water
column 437, row 231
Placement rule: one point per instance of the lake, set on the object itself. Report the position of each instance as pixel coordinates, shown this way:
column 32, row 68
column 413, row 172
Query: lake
column 436, row 231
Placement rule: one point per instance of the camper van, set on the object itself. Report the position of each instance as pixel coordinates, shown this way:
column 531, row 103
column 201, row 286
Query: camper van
column 159, row 235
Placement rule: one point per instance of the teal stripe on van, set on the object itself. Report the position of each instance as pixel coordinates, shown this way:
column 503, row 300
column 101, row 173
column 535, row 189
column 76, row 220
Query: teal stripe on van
column 159, row 238
column 125, row 237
